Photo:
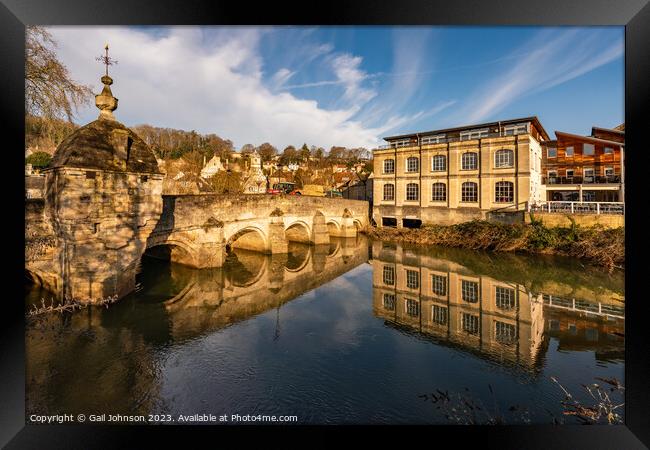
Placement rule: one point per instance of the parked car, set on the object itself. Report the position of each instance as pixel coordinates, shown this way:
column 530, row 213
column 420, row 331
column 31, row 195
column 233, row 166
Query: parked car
column 314, row 190
column 281, row 188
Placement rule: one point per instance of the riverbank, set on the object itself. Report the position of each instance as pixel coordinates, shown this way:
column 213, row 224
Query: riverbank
column 603, row 247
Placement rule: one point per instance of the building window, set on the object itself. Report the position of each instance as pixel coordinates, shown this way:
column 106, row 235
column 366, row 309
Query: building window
column 389, row 302
column 470, row 323
column 439, row 192
column 520, row 128
column 551, row 152
column 473, row 134
column 389, row 166
column 587, row 149
column 412, row 307
column 439, row 285
column 588, row 196
column 504, row 332
column 608, row 150
column 609, row 171
column 439, row 315
column 469, row 161
column 568, row 151
column 432, row 139
column 389, row 192
column 412, row 279
column 469, row 291
column 469, row 192
column 569, row 173
column 504, row 158
column 389, row 275
column 588, row 175
column 504, row 192
column 412, row 164
column 439, row 163
column 505, row 298
column 412, row 191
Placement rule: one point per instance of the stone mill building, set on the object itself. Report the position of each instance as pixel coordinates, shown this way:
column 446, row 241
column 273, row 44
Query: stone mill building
column 103, row 198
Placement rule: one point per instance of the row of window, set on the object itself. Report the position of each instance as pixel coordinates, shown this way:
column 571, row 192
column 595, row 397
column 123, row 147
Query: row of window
column 469, row 161
column 504, row 296
column 587, row 172
column 470, row 323
column 503, row 192
column 587, row 150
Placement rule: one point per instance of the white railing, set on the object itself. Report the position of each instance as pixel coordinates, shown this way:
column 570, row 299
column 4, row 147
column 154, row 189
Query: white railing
column 564, row 207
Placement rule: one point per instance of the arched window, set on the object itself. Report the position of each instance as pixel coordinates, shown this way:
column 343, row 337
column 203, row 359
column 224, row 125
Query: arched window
column 504, row 192
column 439, row 192
column 389, row 192
column 504, row 158
column 412, row 191
column 439, row 163
column 469, row 161
column 412, row 164
column 469, row 192
column 389, row 166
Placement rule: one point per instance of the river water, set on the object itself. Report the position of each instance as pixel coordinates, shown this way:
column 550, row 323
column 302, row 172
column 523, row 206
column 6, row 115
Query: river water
column 359, row 331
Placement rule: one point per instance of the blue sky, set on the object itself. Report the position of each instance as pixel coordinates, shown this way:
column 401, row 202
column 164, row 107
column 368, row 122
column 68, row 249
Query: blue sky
column 351, row 85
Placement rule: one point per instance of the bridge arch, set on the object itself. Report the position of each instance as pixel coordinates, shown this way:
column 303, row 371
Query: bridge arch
column 249, row 238
column 333, row 227
column 172, row 248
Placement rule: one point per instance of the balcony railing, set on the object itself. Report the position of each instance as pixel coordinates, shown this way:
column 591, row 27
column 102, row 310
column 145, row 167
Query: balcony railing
column 448, row 139
column 589, row 179
column 616, row 208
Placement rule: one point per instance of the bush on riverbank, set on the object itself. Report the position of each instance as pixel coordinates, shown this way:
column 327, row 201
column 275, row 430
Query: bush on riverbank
column 605, row 247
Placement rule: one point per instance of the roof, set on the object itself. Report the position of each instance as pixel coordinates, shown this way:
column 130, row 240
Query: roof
column 533, row 119
column 621, row 127
column 611, row 130
column 93, row 147
column 588, row 138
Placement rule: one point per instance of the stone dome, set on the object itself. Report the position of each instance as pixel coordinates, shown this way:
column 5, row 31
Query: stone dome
column 105, row 145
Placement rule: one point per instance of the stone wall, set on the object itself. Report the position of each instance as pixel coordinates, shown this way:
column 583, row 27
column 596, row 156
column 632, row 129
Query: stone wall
column 585, row 220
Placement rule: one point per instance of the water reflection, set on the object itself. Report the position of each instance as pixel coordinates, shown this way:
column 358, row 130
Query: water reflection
column 506, row 317
column 387, row 323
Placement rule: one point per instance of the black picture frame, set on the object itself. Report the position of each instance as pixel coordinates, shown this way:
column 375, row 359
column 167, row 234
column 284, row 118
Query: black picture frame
column 633, row 14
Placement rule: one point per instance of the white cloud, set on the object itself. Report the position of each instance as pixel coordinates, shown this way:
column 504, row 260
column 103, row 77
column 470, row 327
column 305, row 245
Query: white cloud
column 212, row 84
column 552, row 58
column 347, row 70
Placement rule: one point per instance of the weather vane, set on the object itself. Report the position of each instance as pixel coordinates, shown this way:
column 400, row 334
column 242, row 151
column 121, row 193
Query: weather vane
column 106, row 60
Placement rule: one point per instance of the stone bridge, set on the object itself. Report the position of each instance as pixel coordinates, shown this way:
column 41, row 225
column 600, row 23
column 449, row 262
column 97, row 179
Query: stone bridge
column 200, row 229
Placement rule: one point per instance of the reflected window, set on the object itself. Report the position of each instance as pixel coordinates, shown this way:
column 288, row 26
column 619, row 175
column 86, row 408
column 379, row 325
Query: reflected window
column 470, row 323
column 412, row 307
column 505, row 298
column 505, row 333
column 469, row 291
column 389, row 302
column 439, row 315
column 389, row 275
column 439, row 284
column 412, row 279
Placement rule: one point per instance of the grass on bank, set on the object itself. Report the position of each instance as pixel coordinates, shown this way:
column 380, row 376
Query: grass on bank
column 601, row 246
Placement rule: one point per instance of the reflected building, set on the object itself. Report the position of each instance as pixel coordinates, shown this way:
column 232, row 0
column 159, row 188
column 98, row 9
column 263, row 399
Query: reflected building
column 501, row 320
